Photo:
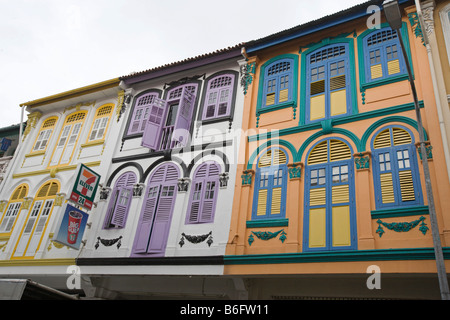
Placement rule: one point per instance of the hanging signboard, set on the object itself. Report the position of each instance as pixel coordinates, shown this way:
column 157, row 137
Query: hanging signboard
column 72, row 227
column 85, row 187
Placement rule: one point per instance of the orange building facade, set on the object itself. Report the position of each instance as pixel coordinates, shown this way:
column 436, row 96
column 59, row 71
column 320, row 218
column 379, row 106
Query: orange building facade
column 332, row 198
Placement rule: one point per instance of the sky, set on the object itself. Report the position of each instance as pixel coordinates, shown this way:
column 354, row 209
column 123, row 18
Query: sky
column 52, row 46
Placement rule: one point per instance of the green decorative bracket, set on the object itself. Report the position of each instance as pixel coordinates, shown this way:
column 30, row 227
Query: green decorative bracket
column 415, row 25
column 428, row 151
column 402, row 226
column 295, row 170
column 247, row 177
column 362, row 160
column 267, row 235
column 247, row 75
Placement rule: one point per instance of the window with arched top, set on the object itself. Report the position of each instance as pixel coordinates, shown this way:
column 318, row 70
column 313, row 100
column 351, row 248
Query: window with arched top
column 120, row 201
column 141, row 112
column 329, row 215
column 100, row 123
column 218, row 97
column 13, row 208
column 204, row 192
column 44, row 134
column 395, row 168
column 37, row 220
column 269, row 199
column 68, row 138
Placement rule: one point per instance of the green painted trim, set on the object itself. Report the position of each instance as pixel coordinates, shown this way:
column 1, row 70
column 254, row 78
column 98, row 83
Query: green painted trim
column 374, row 126
column 293, row 102
column 270, row 143
column 316, row 135
column 268, row 223
column 351, row 58
column 399, row 212
column 409, row 254
column 353, row 118
column 363, row 85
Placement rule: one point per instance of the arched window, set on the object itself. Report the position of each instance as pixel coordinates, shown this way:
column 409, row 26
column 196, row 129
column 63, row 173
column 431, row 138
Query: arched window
column 141, row 112
column 383, row 55
column 328, row 82
column 68, row 138
column 100, row 123
column 329, row 198
column 204, row 189
column 218, row 97
column 156, row 215
column 13, row 208
column 44, row 134
column 278, row 82
column 120, row 200
column 37, row 220
column 395, row 168
column 269, row 199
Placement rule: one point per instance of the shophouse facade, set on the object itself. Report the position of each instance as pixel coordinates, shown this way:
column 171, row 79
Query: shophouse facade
column 162, row 220
column 62, row 132
column 332, row 186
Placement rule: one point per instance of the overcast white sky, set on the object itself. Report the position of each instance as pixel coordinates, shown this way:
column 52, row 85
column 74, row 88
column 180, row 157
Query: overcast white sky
column 52, row 46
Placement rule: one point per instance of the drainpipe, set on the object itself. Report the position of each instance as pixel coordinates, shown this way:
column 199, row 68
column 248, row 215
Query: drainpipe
column 435, row 88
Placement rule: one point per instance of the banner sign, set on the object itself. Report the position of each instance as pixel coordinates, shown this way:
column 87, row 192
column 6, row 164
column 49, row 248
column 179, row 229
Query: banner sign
column 85, row 187
column 72, row 227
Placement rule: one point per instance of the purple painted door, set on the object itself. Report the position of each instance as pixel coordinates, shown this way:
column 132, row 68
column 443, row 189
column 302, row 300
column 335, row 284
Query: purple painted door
column 156, row 215
column 153, row 128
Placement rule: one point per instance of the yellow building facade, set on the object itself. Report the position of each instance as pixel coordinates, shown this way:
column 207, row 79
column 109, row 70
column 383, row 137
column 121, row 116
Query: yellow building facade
column 333, row 187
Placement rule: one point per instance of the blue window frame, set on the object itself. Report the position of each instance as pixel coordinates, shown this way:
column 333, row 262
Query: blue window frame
column 383, row 55
column 269, row 200
column 329, row 215
column 328, row 82
column 278, row 84
column 395, row 169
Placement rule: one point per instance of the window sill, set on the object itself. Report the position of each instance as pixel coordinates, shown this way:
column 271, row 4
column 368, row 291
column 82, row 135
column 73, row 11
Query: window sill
column 35, row 154
column 399, row 212
column 93, row 143
column 382, row 82
column 289, row 104
column 268, row 223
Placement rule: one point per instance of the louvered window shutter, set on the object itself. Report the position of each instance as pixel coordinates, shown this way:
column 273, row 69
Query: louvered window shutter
column 204, row 194
column 123, row 194
column 278, row 83
column 148, row 212
column 181, row 132
column 155, row 122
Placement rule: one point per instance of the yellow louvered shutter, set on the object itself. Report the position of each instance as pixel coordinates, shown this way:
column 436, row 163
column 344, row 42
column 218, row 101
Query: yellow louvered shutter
column 270, row 99
column 262, row 202
column 406, row 185
column 387, row 188
column 382, row 140
column 317, row 197
column 265, row 160
column 393, row 67
column 401, row 137
column 340, row 194
column 284, row 94
column 276, row 201
column 279, row 157
column 339, row 151
column 319, row 154
column 376, row 71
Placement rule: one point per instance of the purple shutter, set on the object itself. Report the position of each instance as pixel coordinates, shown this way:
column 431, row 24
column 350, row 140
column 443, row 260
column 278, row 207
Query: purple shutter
column 121, row 200
column 156, row 214
column 218, row 97
column 163, row 217
column 152, row 132
column 204, row 192
column 145, row 225
column 182, row 126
